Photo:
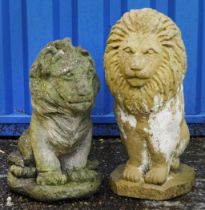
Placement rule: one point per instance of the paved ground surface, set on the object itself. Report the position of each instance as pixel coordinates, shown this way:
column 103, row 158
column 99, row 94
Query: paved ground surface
column 110, row 153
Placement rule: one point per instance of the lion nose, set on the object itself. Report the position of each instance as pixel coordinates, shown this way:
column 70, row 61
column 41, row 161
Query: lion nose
column 137, row 65
column 82, row 86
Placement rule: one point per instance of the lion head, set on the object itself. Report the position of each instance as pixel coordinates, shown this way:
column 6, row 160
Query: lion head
column 63, row 79
column 144, row 57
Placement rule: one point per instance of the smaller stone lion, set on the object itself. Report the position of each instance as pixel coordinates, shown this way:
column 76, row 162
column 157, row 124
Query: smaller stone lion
column 145, row 63
column 55, row 148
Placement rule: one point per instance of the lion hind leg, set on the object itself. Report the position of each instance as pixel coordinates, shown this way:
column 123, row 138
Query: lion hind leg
column 23, row 172
column 25, row 148
column 184, row 141
column 18, row 168
column 21, row 163
column 15, row 158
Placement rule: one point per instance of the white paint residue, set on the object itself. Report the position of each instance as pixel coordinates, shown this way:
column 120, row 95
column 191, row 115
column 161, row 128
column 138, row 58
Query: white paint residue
column 145, row 159
column 164, row 126
column 3, row 176
column 61, row 52
column 1, row 151
column 169, row 178
column 65, row 69
column 9, row 202
column 125, row 117
column 157, row 103
column 146, row 130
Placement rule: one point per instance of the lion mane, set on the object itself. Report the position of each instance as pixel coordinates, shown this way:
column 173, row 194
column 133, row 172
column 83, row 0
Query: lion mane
column 167, row 79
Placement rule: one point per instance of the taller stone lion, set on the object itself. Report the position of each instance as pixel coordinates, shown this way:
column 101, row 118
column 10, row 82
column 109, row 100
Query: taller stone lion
column 145, row 64
column 51, row 162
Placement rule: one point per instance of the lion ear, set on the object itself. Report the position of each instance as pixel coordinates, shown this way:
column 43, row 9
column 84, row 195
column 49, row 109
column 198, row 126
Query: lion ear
column 167, row 35
column 42, row 61
column 38, row 71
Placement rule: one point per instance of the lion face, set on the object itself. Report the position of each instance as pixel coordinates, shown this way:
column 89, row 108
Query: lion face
column 78, row 88
column 140, row 55
column 63, row 79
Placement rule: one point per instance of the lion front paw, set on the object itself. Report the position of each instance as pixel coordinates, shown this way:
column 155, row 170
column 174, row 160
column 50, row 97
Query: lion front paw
column 51, row 178
column 157, row 175
column 132, row 173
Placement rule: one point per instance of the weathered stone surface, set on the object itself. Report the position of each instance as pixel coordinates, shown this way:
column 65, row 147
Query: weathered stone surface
column 69, row 190
column 177, row 184
column 145, row 64
column 51, row 161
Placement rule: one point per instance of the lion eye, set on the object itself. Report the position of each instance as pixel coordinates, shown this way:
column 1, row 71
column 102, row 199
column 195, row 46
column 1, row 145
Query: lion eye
column 150, row 51
column 67, row 76
column 128, row 50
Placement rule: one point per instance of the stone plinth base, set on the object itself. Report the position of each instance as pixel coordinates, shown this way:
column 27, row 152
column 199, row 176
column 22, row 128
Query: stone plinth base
column 52, row 193
column 177, row 184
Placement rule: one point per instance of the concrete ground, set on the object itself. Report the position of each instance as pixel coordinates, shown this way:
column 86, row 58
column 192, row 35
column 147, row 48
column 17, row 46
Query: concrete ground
column 110, row 153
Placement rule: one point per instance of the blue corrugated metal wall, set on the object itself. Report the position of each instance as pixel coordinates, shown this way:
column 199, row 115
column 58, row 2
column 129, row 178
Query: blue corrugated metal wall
column 27, row 25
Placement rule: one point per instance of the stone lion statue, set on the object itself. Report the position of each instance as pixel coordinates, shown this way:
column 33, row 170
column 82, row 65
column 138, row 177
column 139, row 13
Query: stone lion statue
column 55, row 148
column 145, row 64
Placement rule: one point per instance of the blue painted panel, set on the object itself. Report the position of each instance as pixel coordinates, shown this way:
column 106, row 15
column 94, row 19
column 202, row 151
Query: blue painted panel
column 17, row 57
column 6, row 58
column 172, row 8
column 39, row 29
column 114, row 12
column 27, row 25
column 25, row 69
column 65, row 18
column 162, row 6
column 202, row 61
column 2, row 86
column 189, row 12
column 138, row 4
column 91, row 26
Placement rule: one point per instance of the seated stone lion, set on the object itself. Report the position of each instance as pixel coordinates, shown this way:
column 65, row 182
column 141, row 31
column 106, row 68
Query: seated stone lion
column 63, row 85
column 145, row 63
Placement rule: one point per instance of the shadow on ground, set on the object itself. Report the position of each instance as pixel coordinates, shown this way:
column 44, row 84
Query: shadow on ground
column 110, row 153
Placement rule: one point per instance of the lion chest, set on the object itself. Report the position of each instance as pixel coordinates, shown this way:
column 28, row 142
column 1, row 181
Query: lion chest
column 65, row 133
column 162, row 127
